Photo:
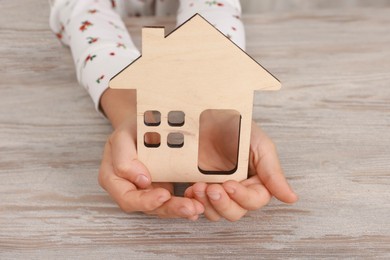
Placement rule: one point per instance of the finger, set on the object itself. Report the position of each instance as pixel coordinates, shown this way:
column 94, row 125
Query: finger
column 189, row 193
column 268, row 169
column 251, row 197
column 165, row 185
column 199, row 193
column 125, row 193
column 178, row 207
column 125, row 162
column 223, row 204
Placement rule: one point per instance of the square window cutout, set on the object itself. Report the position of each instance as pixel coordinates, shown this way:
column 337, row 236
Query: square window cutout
column 152, row 118
column 176, row 118
column 175, row 140
column 152, row 139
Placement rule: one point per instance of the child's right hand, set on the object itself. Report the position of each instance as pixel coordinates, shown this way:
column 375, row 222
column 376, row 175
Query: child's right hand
column 128, row 181
column 124, row 177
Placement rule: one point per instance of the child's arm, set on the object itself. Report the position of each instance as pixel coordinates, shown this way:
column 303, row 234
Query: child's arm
column 101, row 47
column 98, row 39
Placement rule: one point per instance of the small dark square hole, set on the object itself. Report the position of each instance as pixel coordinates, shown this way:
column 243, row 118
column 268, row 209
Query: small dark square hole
column 152, row 139
column 152, row 118
column 176, row 118
column 175, row 140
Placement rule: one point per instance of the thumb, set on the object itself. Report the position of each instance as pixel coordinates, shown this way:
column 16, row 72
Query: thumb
column 266, row 162
column 125, row 160
column 271, row 175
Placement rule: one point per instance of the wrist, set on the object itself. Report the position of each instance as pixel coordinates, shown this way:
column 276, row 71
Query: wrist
column 119, row 105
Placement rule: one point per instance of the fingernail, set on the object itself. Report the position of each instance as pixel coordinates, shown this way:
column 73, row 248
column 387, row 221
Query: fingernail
column 142, row 179
column 185, row 211
column 200, row 194
column 214, row 195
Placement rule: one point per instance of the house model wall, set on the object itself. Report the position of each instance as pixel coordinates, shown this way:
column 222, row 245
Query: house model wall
column 193, row 69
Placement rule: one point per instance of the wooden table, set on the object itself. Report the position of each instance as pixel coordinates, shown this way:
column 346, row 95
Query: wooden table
column 331, row 123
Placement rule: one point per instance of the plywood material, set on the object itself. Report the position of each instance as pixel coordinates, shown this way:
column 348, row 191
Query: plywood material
column 193, row 69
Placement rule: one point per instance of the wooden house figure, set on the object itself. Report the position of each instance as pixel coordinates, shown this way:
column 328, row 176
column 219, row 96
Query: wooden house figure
column 194, row 69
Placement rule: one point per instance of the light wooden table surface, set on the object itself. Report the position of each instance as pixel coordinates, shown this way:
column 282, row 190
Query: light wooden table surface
column 331, row 123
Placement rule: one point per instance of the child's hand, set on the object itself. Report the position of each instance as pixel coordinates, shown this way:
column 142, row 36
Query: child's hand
column 124, row 177
column 128, row 181
column 231, row 200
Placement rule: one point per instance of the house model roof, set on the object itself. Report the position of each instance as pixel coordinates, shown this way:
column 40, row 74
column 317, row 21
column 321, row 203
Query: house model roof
column 196, row 50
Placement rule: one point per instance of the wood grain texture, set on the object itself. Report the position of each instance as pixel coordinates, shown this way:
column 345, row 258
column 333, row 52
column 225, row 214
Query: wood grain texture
column 330, row 121
column 193, row 69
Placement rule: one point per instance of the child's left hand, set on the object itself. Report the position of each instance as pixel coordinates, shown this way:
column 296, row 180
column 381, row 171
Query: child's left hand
column 232, row 200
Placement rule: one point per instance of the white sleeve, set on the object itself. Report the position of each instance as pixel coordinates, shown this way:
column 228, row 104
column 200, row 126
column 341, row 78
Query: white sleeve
column 98, row 39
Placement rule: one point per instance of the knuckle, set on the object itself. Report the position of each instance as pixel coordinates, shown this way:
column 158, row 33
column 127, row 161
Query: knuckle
column 123, row 168
column 149, row 206
column 124, row 206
